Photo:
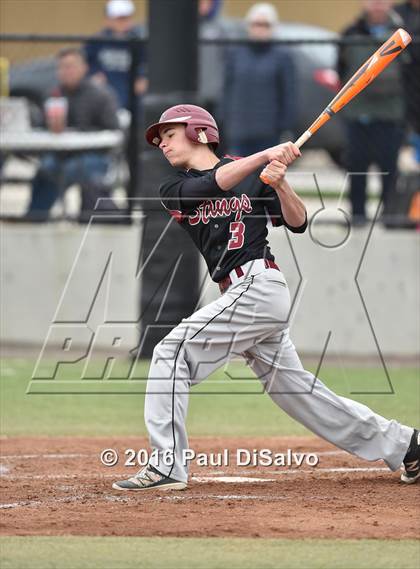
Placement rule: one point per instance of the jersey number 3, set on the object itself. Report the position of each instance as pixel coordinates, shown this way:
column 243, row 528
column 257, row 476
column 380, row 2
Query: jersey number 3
column 237, row 229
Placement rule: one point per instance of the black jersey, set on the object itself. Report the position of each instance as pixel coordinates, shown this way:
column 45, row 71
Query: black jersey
column 229, row 228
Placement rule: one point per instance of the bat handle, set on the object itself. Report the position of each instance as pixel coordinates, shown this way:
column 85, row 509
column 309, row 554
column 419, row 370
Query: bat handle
column 299, row 142
column 303, row 138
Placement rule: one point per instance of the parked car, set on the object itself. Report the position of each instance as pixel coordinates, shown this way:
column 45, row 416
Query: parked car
column 318, row 83
column 33, row 79
column 315, row 69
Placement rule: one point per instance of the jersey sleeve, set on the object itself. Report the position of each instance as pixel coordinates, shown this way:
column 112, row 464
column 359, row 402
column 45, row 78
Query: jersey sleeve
column 273, row 208
column 183, row 193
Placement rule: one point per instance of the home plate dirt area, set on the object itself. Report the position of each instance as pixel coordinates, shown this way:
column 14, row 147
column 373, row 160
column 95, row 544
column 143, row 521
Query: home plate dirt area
column 57, row 486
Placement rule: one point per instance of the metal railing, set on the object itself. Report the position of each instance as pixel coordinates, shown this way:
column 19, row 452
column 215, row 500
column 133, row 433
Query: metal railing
column 19, row 48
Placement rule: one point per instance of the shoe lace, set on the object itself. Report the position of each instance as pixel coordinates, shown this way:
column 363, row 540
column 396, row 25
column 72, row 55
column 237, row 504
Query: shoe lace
column 147, row 476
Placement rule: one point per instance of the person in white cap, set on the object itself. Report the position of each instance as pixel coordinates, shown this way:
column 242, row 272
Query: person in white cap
column 259, row 95
column 110, row 62
column 261, row 19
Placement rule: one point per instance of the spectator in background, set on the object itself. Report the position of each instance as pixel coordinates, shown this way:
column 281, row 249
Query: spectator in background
column 410, row 20
column 210, row 69
column 109, row 62
column 258, row 105
column 80, row 104
column 375, row 117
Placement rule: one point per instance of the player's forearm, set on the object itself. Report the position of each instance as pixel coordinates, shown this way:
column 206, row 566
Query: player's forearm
column 293, row 208
column 231, row 174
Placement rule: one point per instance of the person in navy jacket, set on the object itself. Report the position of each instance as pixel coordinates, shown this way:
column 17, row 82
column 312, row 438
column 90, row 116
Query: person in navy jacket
column 109, row 62
column 259, row 96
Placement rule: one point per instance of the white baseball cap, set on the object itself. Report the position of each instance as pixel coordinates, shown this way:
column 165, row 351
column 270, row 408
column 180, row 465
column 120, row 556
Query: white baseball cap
column 262, row 11
column 119, row 8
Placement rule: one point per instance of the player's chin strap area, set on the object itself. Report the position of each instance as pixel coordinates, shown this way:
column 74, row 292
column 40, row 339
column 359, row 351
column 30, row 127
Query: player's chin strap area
column 248, row 269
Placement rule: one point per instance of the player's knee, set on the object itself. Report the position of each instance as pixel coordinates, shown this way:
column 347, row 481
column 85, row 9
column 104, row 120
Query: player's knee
column 160, row 353
column 165, row 352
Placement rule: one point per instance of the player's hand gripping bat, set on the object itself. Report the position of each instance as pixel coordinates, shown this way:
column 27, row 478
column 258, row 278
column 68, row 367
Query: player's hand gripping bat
column 361, row 79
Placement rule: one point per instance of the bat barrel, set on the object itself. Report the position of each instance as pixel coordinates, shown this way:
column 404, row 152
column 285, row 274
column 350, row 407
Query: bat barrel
column 363, row 76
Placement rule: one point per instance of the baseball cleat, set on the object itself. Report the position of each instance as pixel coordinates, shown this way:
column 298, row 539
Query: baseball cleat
column 412, row 460
column 148, row 479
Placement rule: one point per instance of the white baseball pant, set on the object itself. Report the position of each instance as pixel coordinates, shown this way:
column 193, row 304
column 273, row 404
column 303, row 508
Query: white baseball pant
column 251, row 319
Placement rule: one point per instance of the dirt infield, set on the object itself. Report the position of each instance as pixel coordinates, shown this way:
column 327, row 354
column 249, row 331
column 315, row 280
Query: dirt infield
column 59, row 486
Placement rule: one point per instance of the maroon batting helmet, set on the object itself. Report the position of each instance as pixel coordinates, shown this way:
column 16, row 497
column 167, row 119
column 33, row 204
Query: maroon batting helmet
column 200, row 126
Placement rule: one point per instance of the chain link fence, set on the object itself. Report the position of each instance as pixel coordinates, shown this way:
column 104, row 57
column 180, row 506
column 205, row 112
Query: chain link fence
column 375, row 139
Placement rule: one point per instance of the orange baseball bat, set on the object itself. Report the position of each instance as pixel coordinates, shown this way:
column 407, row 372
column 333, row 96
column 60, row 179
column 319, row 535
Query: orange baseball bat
column 361, row 79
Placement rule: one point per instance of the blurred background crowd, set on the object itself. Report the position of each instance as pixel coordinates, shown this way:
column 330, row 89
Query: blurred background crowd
column 263, row 77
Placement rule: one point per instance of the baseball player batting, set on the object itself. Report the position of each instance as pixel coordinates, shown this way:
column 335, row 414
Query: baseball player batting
column 224, row 206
